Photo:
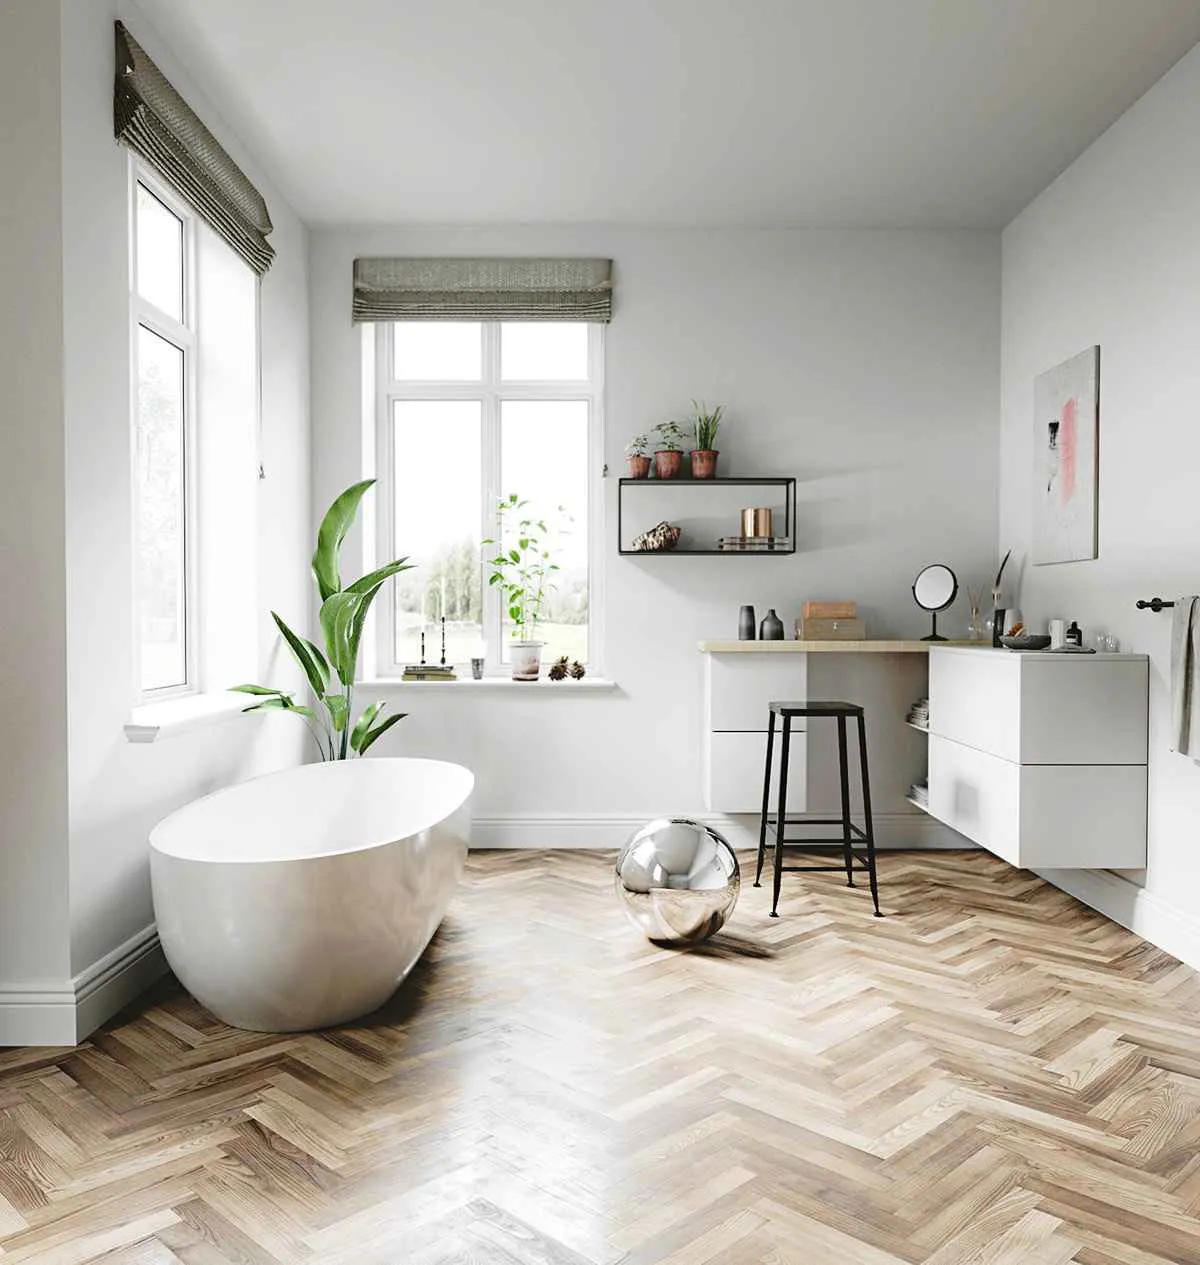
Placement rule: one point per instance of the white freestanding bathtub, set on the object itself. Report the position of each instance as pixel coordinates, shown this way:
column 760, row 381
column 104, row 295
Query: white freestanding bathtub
column 301, row 899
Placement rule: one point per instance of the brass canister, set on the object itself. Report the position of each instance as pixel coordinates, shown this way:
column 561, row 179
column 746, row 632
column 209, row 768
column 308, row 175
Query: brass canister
column 757, row 522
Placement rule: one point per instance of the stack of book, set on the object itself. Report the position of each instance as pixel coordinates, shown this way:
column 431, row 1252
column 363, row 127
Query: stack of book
column 918, row 792
column 918, row 714
column 429, row 672
column 752, row 544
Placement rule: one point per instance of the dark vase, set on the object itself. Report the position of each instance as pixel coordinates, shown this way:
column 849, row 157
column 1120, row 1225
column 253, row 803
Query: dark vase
column 746, row 624
column 771, row 628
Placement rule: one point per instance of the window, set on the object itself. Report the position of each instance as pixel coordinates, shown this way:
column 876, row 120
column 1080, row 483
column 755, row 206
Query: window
column 194, row 352
column 470, row 412
column 164, row 371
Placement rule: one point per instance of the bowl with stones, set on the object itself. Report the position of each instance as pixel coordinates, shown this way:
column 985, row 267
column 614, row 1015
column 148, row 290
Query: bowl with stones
column 1025, row 641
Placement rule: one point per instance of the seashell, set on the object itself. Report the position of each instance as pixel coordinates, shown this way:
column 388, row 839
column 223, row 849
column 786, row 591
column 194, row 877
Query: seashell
column 658, row 539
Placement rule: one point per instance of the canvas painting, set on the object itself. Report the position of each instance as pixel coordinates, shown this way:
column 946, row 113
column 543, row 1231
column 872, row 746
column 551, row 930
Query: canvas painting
column 1066, row 422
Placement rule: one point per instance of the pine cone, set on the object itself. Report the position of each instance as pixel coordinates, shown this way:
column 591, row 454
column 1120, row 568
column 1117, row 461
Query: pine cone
column 558, row 669
column 577, row 670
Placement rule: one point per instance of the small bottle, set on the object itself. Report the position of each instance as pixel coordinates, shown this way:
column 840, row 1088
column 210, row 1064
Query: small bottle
column 1074, row 635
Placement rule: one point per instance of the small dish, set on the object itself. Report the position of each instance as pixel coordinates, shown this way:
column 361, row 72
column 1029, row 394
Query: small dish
column 1026, row 641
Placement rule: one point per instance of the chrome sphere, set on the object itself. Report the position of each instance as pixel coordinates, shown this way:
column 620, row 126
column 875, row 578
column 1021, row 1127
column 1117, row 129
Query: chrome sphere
column 678, row 880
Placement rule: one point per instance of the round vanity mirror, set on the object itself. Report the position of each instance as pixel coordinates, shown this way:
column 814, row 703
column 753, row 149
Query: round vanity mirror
column 934, row 589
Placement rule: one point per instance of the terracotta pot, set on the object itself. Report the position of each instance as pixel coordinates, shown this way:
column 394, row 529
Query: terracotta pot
column 667, row 463
column 704, row 463
column 639, row 467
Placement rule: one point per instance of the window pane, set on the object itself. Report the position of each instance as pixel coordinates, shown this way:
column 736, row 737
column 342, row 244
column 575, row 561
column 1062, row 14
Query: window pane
column 160, row 577
column 437, row 512
column 544, row 460
column 544, row 351
column 439, row 351
column 159, row 254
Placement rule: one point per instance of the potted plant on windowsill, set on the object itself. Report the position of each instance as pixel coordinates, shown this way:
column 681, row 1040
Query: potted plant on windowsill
column 636, row 450
column 521, row 570
column 668, row 457
column 705, row 424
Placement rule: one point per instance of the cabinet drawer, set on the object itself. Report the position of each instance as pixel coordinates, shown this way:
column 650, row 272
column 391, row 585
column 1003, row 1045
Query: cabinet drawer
column 740, row 688
column 975, row 698
column 733, row 772
column 1041, row 816
column 977, row 794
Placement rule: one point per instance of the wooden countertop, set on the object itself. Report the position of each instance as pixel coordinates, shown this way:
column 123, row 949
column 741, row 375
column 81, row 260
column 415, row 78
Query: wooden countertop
column 877, row 645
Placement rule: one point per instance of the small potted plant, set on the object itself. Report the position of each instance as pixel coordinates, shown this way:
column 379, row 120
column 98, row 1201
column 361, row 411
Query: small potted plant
column 637, row 450
column 705, row 424
column 521, row 570
column 668, row 457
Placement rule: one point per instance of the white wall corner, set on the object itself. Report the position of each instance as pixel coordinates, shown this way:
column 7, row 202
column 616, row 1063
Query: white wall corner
column 65, row 1012
column 892, row 831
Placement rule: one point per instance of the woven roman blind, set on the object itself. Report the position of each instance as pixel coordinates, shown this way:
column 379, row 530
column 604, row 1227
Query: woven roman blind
column 159, row 125
column 483, row 289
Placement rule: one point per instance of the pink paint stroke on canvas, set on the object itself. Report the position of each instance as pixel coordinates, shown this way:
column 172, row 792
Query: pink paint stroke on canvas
column 1068, row 442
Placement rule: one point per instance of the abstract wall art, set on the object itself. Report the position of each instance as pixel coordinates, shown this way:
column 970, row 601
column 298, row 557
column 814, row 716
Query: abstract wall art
column 1066, row 423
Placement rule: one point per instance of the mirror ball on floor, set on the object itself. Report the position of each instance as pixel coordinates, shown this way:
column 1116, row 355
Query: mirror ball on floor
column 678, row 880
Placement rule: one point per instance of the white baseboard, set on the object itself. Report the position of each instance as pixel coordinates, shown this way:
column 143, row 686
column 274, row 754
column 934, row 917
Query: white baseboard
column 1164, row 925
column 64, row 1012
column 611, row 830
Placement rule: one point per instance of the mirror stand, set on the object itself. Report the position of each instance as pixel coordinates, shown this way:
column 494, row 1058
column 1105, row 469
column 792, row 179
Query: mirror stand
column 934, row 635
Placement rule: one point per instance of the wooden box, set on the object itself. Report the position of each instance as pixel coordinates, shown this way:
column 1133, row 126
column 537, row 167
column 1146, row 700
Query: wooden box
column 830, row 630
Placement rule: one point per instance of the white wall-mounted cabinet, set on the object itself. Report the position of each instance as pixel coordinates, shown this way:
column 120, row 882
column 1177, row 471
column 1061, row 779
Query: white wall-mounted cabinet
column 1041, row 758
column 739, row 689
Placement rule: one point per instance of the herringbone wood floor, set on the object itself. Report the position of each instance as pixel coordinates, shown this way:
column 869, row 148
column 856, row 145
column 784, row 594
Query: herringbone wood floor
column 991, row 1074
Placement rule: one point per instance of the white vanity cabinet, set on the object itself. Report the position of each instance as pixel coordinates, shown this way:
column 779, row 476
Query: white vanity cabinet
column 739, row 689
column 1041, row 757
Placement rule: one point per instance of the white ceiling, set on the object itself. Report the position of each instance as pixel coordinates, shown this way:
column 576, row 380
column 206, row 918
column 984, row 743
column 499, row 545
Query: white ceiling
column 757, row 112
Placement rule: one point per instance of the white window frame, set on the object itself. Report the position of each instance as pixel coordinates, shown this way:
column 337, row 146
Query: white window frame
column 492, row 391
column 182, row 335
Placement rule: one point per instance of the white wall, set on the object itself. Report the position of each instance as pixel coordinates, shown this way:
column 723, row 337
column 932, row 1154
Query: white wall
column 863, row 362
column 33, row 761
column 118, row 790
column 78, row 800
column 1110, row 254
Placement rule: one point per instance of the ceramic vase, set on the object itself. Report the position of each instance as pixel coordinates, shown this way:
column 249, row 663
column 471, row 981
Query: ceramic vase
column 771, row 628
column 746, row 624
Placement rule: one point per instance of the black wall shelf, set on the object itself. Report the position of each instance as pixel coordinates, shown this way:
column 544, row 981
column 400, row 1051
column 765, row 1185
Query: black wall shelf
column 785, row 482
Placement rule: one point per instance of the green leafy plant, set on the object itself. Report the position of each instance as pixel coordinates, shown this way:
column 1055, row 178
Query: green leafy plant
column 671, row 436
column 330, row 672
column 638, row 446
column 522, row 567
column 705, row 424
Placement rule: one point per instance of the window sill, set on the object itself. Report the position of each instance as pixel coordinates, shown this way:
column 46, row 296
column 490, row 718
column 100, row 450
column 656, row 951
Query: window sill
column 489, row 684
column 175, row 716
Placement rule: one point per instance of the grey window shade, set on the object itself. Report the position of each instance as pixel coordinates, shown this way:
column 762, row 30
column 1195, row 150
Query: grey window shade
column 159, row 125
column 483, row 289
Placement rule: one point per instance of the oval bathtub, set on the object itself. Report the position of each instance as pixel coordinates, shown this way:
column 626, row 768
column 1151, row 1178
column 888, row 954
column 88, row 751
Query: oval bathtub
column 301, row 899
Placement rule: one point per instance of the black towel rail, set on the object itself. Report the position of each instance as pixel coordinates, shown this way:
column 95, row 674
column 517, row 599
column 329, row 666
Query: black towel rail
column 1155, row 604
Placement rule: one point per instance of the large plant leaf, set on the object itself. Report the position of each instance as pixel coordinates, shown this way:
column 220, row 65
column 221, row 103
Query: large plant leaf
column 312, row 664
column 379, row 730
column 332, row 532
column 339, row 710
column 373, row 579
column 255, row 689
column 364, row 723
column 338, row 617
column 281, row 704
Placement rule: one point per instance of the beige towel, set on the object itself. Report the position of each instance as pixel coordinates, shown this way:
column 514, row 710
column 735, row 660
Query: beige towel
column 1185, row 677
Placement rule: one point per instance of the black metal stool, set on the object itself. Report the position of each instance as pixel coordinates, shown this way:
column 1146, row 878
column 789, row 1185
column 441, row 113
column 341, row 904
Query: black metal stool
column 850, row 832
